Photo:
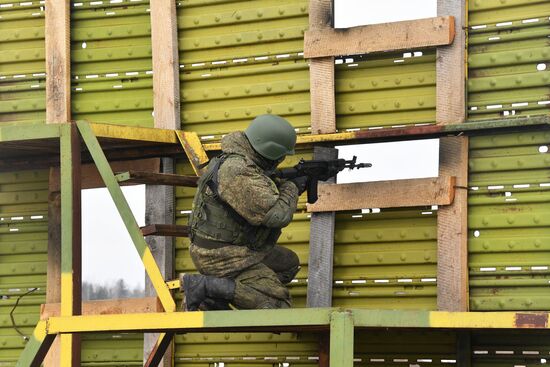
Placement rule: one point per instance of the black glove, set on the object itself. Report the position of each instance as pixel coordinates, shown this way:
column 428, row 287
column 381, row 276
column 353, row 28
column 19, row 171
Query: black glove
column 301, row 183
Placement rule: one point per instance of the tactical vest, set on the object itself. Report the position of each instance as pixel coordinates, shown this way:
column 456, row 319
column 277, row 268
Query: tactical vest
column 213, row 219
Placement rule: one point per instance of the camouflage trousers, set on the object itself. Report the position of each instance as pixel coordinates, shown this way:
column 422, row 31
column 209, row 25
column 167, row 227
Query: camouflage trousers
column 260, row 276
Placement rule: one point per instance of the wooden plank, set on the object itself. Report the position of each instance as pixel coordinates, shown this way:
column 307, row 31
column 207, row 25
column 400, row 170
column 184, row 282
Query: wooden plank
column 322, row 99
column 321, row 73
column 170, row 230
column 151, row 178
column 321, row 247
column 166, row 82
column 92, row 179
column 194, row 150
column 107, row 307
column 53, row 273
column 385, row 194
column 451, row 67
column 58, row 61
column 159, row 208
column 404, row 35
column 452, row 229
column 324, row 349
column 160, row 199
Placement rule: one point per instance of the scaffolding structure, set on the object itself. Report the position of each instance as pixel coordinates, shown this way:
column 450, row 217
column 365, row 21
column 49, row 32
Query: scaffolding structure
column 475, row 145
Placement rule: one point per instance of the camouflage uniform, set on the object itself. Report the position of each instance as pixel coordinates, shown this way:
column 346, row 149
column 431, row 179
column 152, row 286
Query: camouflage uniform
column 259, row 267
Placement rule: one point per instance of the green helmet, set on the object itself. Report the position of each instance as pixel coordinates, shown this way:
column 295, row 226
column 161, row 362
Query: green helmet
column 271, row 136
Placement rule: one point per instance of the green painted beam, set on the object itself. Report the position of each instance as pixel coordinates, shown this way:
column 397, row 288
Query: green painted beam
column 341, row 339
column 37, row 347
column 71, row 244
column 29, row 132
column 257, row 318
column 295, row 319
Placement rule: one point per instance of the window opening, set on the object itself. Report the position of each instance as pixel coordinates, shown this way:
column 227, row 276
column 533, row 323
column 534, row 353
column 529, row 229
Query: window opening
column 111, row 267
column 391, row 161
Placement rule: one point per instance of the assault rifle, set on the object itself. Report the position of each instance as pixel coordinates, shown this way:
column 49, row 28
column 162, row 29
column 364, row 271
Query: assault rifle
column 315, row 171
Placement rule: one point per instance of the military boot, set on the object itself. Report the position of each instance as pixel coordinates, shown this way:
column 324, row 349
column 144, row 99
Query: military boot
column 197, row 288
column 214, row 304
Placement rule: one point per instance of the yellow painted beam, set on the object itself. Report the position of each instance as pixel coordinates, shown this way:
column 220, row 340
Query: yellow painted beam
column 194, row 150
column 112, row 323
column 151, row 135
column 318, row 317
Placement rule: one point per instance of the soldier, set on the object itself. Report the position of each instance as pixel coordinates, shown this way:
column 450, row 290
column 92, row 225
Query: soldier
column 237, row 216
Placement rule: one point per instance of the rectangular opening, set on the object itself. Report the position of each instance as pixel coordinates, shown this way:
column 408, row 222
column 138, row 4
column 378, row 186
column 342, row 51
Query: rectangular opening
column 353, row 13
column 111, row 266
column 392, row 161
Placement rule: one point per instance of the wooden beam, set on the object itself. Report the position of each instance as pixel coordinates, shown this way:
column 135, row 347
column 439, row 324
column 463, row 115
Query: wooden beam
column 404, row 35
column 58, row 61
column 71, row 239
column 385, row 194
column 451, row 67
column 166, row 81
column 160, row 199
column 170, row 230
column 91, row 178
column 151, row 178
column 160, row 208
column 53, row 273
column 194, row 150
column 452, row 229
column 321, row 247
column 321, row 73
column 107, row 307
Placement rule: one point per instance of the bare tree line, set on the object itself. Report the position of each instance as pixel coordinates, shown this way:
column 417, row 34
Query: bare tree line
column 114, row 290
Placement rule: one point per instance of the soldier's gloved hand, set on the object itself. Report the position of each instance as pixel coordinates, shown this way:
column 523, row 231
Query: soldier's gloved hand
column 301, row 183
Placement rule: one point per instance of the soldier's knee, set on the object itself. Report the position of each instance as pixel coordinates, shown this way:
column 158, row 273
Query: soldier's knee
column 274, row 304
column 286, row 276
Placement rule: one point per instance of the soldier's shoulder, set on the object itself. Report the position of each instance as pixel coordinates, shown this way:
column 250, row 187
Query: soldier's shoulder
column 235, row 165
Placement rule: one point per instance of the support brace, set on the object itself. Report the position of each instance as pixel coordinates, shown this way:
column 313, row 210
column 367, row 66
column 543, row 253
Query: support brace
column 125, row 212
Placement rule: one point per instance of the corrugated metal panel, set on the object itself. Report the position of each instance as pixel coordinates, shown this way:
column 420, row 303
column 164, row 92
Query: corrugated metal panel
column 386, row 259
column 22, row 66
column 23, row 257
column 246, row 349
column 508, row 58
column 117, row 350
column 387, row 90
column 404, row 348
column 111, row 62
column 507, row 349
column 239, row 59
column 509, row 222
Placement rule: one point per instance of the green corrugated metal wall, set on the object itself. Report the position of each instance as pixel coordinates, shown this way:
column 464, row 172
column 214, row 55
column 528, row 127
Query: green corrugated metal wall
column 22, row 66
column 509, row 221
column 387, row 90
column 242, row 58
column 386, row 259
column 111, row 62
column 23, row 257
column 239, row 59
column 509, row 57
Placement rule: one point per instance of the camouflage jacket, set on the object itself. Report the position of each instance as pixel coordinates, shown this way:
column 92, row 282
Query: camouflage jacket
column 245, row 187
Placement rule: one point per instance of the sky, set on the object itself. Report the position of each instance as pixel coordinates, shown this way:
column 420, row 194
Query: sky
column 107, row 250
